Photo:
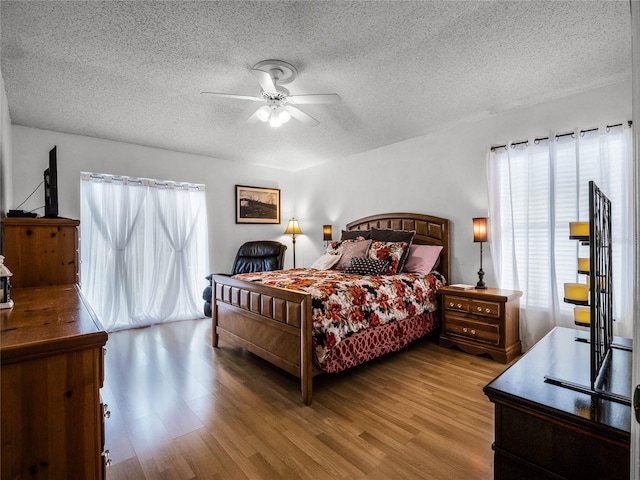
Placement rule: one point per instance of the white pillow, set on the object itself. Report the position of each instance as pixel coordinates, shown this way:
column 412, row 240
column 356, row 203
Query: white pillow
column 326, row 261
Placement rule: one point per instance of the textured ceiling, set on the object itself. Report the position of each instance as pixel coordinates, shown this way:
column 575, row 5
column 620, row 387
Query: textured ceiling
column 133, row 71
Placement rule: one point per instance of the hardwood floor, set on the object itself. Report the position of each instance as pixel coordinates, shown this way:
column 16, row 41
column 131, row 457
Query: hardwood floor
column 181, row 409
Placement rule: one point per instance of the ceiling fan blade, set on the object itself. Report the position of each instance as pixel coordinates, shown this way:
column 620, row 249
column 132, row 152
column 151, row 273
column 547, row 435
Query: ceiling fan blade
column 315, row 98
column 301, row 116
column 253, row 118
column 230, row 95
column 265, row 80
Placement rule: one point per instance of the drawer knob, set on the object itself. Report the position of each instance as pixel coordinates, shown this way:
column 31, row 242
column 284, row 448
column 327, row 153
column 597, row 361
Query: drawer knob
column 451, row 304
column 107, row 460
column 473, row 332
column 105, row 411
column 488, row 310
column 479, row 309
column 465, row 329
column 459, row 305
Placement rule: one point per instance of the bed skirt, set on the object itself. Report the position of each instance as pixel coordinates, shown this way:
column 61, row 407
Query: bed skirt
column 368, row 344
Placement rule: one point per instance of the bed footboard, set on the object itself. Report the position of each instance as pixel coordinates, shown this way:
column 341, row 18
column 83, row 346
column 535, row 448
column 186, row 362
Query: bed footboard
column 273, row 323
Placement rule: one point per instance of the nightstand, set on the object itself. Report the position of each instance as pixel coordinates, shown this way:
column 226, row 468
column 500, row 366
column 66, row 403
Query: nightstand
column 482, row 321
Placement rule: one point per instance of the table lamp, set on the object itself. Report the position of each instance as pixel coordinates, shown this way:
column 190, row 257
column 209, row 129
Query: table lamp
column 480, row 235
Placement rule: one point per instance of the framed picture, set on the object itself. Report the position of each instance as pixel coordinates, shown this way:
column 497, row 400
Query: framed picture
column 257, row 204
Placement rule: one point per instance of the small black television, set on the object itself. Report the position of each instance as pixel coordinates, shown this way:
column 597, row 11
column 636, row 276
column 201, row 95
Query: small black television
column 51, row 186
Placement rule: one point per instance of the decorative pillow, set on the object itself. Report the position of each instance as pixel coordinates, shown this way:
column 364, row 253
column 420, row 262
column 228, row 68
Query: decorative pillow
column 326, row 261
column 336, row 247
column 388, row 235
column 390, row 252
column 422, row 259
column 333, row 248
column 356, row 249
column 367, row 266
column 353, row 234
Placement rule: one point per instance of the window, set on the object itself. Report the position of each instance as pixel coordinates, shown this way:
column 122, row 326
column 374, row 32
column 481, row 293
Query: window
column 536, row 189
column 144, row 249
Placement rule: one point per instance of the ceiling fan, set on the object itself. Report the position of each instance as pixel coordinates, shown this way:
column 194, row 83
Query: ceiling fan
column 279, row 108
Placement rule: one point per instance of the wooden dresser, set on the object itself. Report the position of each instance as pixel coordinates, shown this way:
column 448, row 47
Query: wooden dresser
column 482, row 321
column 52, row 369
column 41, row 251
column 545, row 431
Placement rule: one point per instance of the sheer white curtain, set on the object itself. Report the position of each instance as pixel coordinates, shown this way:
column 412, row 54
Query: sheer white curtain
column 144, row 249
column 535, row 189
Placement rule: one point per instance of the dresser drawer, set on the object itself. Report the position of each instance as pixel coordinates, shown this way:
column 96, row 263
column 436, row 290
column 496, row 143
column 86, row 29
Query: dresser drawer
column 484, row 308
column 103, row 435
column 470, row 329
column 456, row 304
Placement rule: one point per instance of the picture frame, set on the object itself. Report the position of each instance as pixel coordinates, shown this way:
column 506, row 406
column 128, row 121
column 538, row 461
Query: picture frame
column 257, row 204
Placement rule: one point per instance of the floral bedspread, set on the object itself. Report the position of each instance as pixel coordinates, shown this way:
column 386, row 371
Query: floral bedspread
column 344, row 304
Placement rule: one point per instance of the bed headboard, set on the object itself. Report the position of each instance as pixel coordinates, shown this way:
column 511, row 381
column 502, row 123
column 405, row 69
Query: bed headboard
column 430, row 230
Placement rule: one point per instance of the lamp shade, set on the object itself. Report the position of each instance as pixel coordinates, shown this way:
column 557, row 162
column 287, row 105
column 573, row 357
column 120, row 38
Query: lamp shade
column 480, row 229
column 283, row 115
column 327, row 234
column 274, row 121
column 263, row 113
column 293, row 228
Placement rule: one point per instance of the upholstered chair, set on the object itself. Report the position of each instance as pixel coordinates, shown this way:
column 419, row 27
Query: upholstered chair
column 256, row 256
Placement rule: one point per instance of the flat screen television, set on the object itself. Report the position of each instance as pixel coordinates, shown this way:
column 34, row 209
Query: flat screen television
column 51, row 186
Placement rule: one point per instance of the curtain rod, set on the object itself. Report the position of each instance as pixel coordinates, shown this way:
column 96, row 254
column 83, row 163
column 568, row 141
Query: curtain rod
column 142, row 181
column 539, row 139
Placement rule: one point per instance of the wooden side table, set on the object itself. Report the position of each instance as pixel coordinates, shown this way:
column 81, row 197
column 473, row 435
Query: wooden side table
column 482, row 321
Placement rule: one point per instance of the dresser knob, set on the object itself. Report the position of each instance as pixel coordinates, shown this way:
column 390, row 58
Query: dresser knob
column 479, row 309
column 488, row 310
column 459, row 305
column 465, row 329
column 473, row 332
column 451, row 304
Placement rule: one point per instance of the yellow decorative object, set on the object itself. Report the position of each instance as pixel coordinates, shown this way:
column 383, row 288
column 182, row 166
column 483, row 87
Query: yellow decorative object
column 578, row 229
column 584, row 264
column 576, row 291
column 582, row 315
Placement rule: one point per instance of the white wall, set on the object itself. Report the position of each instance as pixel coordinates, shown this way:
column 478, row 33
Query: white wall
column 442, row 174
column 5, row 150
column 79, row 153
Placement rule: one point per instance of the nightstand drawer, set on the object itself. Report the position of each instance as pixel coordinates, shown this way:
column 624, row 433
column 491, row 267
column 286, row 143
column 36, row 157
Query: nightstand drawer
column 487, row 309
column 458, row 304
column 480, row 331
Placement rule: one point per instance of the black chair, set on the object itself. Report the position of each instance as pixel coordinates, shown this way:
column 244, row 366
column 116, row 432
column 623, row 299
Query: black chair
column 257, row 256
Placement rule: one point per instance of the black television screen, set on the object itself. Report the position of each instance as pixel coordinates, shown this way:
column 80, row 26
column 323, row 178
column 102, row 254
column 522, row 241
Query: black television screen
column 51, row 186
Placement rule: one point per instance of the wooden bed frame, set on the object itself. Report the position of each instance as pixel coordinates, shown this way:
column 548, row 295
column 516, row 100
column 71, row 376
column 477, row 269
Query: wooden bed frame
column 276, row 323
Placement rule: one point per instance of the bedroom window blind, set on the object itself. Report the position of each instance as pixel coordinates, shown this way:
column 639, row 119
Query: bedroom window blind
column 536, row 188
column 144, row 249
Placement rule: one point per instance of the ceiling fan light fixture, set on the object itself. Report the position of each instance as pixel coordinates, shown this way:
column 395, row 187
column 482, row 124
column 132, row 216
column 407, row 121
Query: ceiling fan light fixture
column 263, row 113
column 280, row 104
column 284, row 116
column 274, row 121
